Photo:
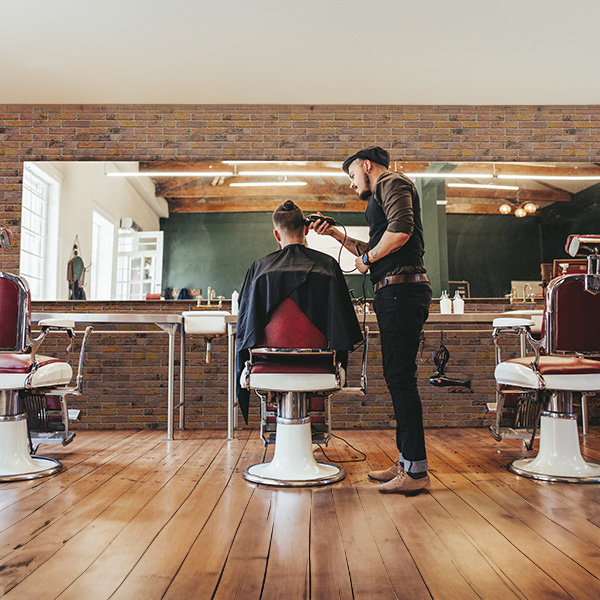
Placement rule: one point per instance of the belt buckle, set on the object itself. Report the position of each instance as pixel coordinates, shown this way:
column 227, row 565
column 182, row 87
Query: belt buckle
column 382, row 283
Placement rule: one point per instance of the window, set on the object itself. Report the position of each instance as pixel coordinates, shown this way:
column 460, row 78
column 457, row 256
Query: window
column 39, row 232
column 103, row 235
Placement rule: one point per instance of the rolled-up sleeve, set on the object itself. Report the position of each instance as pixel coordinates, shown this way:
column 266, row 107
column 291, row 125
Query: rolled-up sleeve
column 396, row 198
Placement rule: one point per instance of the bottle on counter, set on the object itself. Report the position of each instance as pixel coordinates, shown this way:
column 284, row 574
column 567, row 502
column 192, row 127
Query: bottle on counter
column 234, row 303
column 445, row 304
column 458, row 304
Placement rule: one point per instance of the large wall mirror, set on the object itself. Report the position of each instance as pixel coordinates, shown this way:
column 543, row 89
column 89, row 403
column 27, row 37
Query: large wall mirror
column 130, row 231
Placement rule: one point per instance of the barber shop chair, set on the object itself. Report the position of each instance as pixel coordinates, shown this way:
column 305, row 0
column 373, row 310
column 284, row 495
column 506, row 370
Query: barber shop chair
column 33, row 388
column 292, row 370
column 566, row 361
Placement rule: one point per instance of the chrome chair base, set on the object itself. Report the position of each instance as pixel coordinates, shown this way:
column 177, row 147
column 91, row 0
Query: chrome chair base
column 524, row 469
column 16, row 464
column 559, row 457
column 293, row 463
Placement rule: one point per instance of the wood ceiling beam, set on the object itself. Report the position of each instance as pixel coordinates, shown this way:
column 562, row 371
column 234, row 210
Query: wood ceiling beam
column 263, row 205
column 468, row 208
column 523, row 195
column 225, row 191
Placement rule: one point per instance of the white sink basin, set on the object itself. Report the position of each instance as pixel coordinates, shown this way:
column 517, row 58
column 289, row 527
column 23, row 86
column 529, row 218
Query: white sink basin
column 205, row 322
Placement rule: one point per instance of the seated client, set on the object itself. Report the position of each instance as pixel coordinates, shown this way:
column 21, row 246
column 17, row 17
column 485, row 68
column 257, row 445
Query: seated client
column 312, row 279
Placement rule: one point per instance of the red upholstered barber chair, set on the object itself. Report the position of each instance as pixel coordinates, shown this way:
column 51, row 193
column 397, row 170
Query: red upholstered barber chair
column 26, row 380
column 291, row 369
column 566, row 362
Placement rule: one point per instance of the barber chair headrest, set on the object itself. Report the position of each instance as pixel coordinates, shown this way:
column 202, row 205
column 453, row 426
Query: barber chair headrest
column 579, row 244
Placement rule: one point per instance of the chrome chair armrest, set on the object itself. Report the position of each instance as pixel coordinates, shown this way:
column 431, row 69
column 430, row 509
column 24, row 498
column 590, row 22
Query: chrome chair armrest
column 86, row 334
column 511, row 326
column 48, row 325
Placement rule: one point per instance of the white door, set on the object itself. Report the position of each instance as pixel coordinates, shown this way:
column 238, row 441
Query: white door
column 139, row 264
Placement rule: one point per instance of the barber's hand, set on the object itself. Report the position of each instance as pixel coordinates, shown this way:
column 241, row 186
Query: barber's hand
column 360, row 266
column 321, row 227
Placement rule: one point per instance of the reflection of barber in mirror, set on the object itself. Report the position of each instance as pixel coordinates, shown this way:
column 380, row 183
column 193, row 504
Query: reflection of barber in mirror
column 76, row 275
column 394, row 259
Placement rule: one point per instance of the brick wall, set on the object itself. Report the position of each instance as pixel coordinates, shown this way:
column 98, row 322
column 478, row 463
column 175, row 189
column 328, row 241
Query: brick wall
column 127, row 375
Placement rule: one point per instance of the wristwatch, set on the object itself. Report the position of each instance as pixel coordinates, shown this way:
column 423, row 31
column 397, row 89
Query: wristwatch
column 365, row 259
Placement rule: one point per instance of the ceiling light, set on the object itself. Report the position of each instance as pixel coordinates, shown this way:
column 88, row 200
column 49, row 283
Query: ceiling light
column 529, row 208
column 268, row 184
column 553, row 177
column 295, row 173
column 505, row 209
column 489, row 186
column 449, row 175
column 264, row 162
column 170, row 174
column 520, row 212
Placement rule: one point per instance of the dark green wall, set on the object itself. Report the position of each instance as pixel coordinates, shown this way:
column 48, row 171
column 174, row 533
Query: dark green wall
column 489, row 251
column 216, row 250
column 582, row 215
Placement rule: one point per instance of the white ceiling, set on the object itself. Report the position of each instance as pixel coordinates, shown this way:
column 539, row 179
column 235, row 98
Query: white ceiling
column 302, row 52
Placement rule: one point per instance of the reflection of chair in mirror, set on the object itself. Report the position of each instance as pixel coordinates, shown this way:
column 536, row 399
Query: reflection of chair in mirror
column 563, row 365
column 293, row 369
column 516, row 411
column 27, row 379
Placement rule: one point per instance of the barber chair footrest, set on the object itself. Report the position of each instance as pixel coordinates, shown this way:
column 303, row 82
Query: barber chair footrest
column 559, row 457
column 293, row 463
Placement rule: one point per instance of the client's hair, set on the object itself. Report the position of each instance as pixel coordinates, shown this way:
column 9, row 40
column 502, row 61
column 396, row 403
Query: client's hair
column 289, row 217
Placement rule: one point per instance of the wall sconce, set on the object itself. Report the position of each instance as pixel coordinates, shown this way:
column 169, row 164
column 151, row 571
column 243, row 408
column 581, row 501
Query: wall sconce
column 530, row 208
column 505, row 209
column 520, row 212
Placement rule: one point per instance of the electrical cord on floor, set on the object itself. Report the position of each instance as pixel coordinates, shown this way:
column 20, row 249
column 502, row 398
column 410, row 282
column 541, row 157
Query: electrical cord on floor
column 364, row 456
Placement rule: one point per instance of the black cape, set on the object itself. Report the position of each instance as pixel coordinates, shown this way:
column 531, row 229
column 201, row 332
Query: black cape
column 315, row 282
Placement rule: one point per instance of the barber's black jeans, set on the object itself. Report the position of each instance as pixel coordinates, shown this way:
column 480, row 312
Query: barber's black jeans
column 401, row 311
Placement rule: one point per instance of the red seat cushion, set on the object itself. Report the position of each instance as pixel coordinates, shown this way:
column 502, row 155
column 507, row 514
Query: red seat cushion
column 561, row 365
column 289, row 327
column 21, row 363
column 303, row 365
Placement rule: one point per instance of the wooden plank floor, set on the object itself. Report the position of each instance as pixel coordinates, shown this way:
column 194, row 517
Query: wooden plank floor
column 133, row 516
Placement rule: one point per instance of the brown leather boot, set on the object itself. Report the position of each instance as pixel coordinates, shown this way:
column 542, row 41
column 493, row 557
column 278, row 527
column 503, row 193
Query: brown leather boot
column 386, row 474
column 403, row 484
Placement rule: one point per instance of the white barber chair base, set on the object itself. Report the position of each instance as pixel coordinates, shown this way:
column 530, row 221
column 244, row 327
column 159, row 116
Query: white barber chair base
column 559, row 457
column 16, row 464
column 293, row 463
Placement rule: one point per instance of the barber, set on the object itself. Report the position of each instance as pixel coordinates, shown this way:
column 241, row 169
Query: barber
column 393, row 257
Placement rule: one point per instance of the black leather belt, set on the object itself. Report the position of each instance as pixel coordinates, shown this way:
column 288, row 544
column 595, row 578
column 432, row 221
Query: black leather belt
column 402, row 278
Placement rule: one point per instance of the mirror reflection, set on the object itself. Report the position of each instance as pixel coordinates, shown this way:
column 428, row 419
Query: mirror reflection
column 136, row 231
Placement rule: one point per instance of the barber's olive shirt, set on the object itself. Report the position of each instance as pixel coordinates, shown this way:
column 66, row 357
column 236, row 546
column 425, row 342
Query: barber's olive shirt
column 394, row 206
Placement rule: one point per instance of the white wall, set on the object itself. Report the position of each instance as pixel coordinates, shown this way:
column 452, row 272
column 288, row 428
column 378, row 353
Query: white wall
column 85, row 187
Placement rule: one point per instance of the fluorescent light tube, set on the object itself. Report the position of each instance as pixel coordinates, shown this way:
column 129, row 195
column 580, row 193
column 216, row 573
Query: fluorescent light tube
column 489, row 186
column 295, row 173
column 268, row 184
column 553, row 177
column 170, row 174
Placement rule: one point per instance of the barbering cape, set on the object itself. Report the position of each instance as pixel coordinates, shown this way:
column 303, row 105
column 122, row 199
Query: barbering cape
column 315, row 282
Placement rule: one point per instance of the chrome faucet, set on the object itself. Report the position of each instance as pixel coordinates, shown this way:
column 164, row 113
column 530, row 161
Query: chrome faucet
column 527, row 295
column 210, row 296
